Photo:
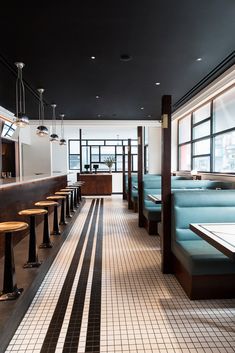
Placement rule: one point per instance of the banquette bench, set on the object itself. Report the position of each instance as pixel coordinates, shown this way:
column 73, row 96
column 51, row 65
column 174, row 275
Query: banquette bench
column 152, row 212
column 203, row 271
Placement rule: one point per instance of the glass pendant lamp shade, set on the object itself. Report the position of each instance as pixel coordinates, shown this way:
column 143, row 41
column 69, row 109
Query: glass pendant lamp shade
column 21, row 119
column 54, row 137
column 42, row 130
column 62, row 140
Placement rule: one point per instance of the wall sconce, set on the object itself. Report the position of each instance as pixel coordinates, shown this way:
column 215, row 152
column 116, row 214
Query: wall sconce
column 21, row 119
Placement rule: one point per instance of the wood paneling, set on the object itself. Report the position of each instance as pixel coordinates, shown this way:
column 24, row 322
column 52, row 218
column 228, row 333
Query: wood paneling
column 166, row 186
column 129, row 175
column 141, row 217
column 96, row 184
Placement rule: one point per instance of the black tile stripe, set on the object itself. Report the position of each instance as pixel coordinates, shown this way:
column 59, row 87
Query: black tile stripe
column 74, row 327
column 50, row 341
column 94, row 318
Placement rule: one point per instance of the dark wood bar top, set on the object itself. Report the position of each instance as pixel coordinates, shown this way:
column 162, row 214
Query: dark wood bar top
column 27, row 179
column 17, row 194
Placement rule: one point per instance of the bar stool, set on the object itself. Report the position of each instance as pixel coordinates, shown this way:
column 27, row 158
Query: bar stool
column 46, row 231
column 62, row 213
column 71, row 198
column 10, row 290
column 66, row 194
column 33, row 255
column 74, row 190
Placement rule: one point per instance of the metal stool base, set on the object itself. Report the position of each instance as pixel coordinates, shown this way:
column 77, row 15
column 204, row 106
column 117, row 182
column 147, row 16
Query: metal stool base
column 55, row 233
column 46, row 245
column 32, row 264
column 11, row 296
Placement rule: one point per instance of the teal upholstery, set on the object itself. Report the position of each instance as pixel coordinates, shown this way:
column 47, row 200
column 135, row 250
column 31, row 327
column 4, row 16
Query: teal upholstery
column 196, row 255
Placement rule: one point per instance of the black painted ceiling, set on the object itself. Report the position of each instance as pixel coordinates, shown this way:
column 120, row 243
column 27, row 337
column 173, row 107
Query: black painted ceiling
column 56, row 40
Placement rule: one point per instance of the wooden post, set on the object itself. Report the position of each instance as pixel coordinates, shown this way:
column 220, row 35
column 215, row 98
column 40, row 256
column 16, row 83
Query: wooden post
column 123, row 173
column 166, row 264
column 140, row 175
column 129, row 175
column 80, row 142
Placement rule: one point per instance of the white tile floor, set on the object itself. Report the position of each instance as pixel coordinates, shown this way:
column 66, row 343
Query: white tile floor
column 142, row 309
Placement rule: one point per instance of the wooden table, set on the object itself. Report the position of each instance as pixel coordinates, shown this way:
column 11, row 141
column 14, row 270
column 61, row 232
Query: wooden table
column 157, row 199
column 219, row 235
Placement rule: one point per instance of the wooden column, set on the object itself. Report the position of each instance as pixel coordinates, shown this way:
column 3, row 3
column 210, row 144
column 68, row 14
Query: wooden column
column 123, row 173
column 80, row 142
column 140, row 175
column 166, row 185
column 129, row 175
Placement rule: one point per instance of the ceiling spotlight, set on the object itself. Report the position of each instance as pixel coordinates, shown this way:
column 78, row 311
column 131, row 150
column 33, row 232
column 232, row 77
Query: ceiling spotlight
column 125, row 57
column 149, row 116
column 142, row 108
column 97, row 97
column 99, row 115
column 199, row 59
column 92, row 57
column 157, row 83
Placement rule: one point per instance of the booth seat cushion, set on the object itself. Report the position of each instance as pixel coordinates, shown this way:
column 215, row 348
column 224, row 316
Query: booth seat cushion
column 153, row 213
column 200, row 258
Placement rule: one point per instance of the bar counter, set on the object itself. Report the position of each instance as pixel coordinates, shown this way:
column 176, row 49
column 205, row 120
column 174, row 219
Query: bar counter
column 17, row 194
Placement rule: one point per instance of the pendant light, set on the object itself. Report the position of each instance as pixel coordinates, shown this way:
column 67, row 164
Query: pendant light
column 21, row 119
column 62, row 140
column 54, row 137
column 42, row 130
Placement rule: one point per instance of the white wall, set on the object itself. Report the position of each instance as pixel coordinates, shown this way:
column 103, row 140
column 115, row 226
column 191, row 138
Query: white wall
column 36, row 157
column 154, row 150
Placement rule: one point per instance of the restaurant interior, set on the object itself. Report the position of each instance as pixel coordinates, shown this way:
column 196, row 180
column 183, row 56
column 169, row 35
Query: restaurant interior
column 117, row 177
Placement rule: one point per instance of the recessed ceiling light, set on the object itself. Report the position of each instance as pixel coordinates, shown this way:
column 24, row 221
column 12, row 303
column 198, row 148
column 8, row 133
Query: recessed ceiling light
column 142, row 108
column 149, row 116
column 99, row 115
column 97, row 97
column 157, row 83
column 92, row 57
column 199, row 59
column 125, row 57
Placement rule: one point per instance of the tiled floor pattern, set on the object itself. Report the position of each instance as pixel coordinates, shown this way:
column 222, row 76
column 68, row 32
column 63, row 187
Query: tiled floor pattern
column 142, row 310
column 146, row 311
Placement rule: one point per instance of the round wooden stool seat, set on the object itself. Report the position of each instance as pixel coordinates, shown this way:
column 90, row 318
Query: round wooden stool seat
column 56, row 197
column 46, row 203
column 12, row 227
column 66, row 190
column 63, row 193
column 33, row 212
column 10, row 290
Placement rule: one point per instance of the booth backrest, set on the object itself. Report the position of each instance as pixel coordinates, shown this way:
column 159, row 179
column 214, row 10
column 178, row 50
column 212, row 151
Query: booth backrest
column 207, row 206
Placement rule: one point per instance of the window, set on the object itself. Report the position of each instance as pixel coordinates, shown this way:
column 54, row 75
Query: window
column 185, row 129
column 209, row 151
column 185, row 157
column 96, row 151
column 8, row 129
column 224, row 153
column 201, row 130
column 224, row 111
column 202, row 113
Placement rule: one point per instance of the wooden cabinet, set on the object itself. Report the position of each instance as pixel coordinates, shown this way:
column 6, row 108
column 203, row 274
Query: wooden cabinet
column 96, row 184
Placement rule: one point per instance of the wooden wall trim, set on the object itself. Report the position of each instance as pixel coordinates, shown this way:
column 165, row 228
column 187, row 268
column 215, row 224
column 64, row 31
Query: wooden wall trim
column 129, row 174
column 166, row 264
column 123, row 173
column 140, row 175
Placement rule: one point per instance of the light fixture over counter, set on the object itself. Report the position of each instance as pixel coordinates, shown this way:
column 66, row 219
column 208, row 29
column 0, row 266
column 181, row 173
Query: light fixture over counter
column 21, row 119
column 54, row 137
column 42, row 130
column 62, row 140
